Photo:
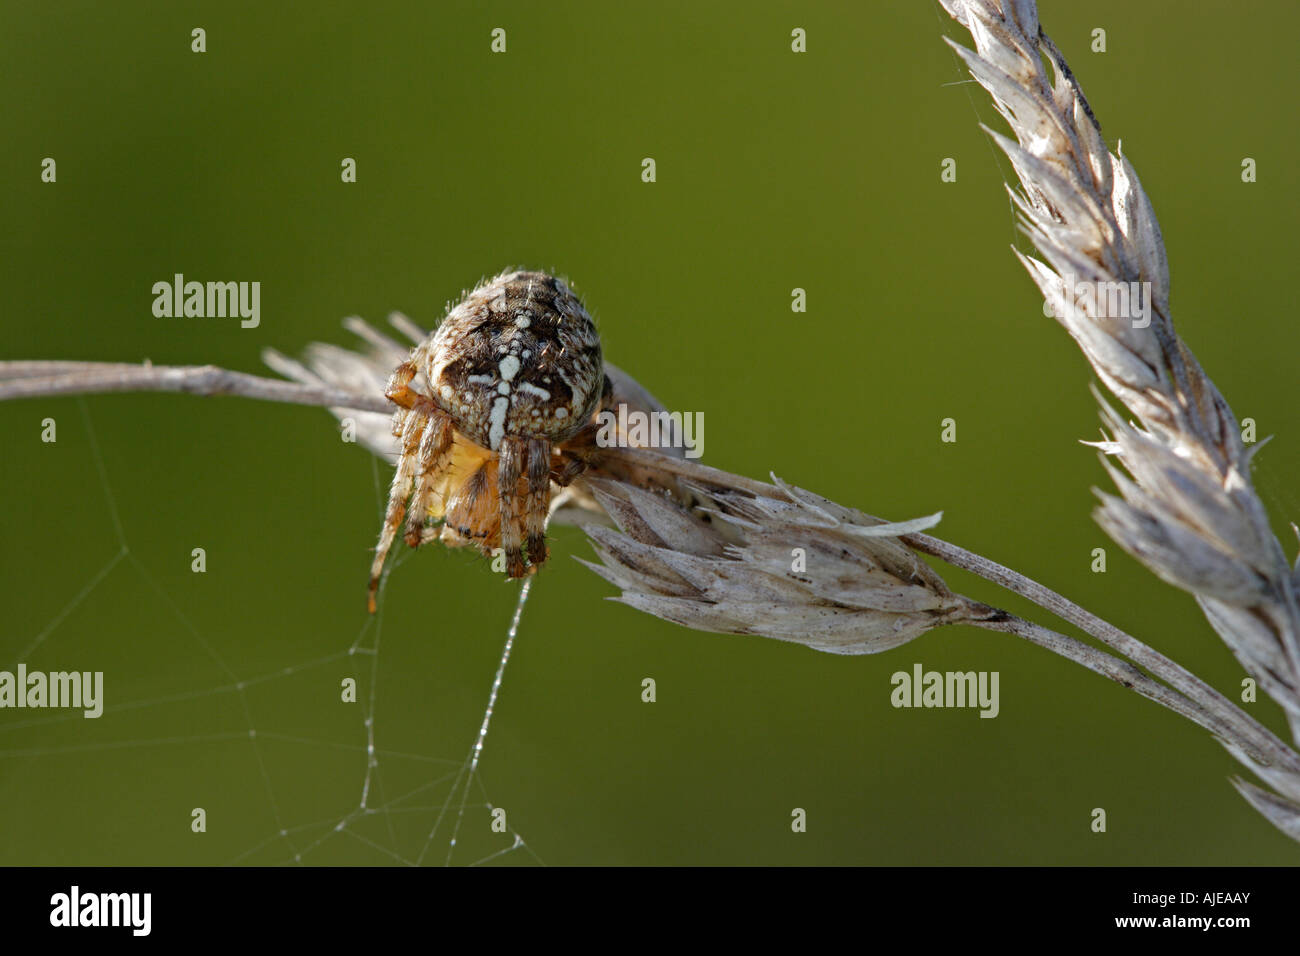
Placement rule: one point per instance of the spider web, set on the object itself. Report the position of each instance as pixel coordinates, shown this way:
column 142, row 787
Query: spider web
column 409, row 808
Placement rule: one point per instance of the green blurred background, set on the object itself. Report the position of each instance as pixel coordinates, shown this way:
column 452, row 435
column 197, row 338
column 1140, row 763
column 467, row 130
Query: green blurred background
column 775, row 171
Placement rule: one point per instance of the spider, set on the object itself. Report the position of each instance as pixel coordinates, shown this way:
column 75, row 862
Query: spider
column 515, row 380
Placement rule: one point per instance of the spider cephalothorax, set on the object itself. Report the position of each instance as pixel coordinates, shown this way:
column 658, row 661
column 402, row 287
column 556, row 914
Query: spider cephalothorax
column 514, row 378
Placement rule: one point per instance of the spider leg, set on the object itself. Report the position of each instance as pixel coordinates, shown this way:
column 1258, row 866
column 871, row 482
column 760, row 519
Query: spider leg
column 399, row 389
column 471, row 507
column 537, row 468
column 399, row 422
column 397, row 495
column 575, row 463
column 509, row 470
column 434, row 445
column 578, row 452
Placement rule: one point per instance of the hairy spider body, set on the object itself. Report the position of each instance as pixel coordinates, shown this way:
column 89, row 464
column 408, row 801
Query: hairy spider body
column 514, row 379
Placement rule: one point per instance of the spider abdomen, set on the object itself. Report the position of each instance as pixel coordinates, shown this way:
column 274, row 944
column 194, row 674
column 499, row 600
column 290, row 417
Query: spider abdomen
column 519, row 356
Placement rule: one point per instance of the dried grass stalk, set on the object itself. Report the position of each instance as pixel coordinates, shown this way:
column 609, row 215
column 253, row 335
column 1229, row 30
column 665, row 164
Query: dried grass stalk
column 733, row 564
column 1186, row 508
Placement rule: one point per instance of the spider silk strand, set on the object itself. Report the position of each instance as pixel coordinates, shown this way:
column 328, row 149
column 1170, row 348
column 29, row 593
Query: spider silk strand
column 477, row 750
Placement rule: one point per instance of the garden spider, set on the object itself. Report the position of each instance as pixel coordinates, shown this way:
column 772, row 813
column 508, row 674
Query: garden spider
column 515, row 380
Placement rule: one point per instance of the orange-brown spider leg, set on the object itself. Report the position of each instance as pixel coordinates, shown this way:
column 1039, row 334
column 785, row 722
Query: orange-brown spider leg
column 417, row 417
column 399, row 389
column 434, row 445
column 509, row 471
column 537, row 468
column 464, row 510
column 397, row 495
